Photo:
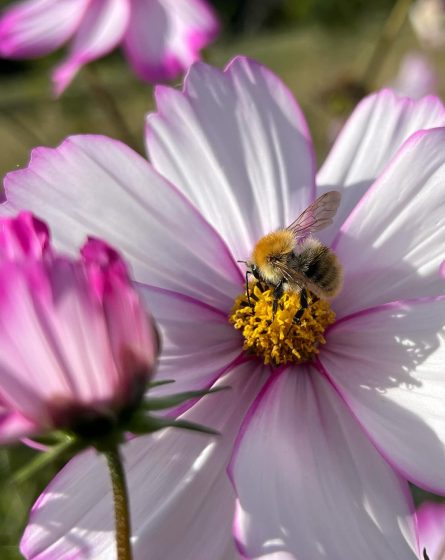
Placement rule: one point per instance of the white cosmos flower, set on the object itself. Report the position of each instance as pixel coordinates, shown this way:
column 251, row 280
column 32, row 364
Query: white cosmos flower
column 319, row 452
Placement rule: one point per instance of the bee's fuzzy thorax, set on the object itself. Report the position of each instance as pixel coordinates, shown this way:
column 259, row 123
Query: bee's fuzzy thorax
column 273, row 244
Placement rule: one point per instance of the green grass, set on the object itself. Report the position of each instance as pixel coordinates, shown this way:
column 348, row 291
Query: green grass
column 308, row 60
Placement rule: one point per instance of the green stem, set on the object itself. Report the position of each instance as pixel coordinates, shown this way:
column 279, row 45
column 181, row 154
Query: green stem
column 388, row 35
column 121, row 505
column 109, row 106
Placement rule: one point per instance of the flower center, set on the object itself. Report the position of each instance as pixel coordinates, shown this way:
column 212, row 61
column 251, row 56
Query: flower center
column 291, row 335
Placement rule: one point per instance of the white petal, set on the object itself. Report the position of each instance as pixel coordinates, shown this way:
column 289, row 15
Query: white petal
column 310, row 485
column 181, row 499
column 388, row 364
column 93, row 185
column 371, row 137
column 100, row 30
column 392, row 245
column 236, row 143
column 197, row 342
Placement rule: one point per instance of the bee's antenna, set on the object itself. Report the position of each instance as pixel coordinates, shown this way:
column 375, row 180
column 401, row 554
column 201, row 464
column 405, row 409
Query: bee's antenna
column 245, row 262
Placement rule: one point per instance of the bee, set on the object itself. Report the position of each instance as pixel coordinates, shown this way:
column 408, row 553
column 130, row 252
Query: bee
column 291, row 260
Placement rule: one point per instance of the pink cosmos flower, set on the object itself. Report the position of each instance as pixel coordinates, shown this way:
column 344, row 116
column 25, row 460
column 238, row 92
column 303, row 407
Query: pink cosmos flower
column 75, row 342
column 431, row 523
column 416, row 77
column 319, row 452
column 161, row 38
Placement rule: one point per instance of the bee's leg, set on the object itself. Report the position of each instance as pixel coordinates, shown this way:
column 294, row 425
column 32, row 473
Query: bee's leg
column 247, row 288
column 303, row 304
column 277, row 293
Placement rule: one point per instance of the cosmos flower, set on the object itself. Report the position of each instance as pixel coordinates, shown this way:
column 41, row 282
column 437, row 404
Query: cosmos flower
column 160, row 38
column 416, row 77
column 431, row 524
column 318, row 448
column 76, row 345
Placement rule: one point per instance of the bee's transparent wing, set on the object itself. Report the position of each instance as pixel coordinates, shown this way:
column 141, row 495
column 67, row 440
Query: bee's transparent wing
column 317, row 216
column 292, row 276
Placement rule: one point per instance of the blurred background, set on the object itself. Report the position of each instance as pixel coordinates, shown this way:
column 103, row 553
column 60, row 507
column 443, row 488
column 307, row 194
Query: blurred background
column 329, row 52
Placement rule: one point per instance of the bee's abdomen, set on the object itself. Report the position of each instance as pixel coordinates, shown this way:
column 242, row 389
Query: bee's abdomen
column 321, row 267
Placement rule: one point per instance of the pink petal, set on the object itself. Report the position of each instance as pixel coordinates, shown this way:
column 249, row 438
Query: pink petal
column 130, row 329
column 416, row 77
column 23, row 236
column 431, row 526
column 15, row 426
column 197, row 342
column 92, row 185
column 236, row 143
column 392, row 244
column 49, row 314
column 309, row 483
column 100, row 31
column 388, row 363
column 371, row 137
column 37, row 27
column 165, row 36
column 181, row 500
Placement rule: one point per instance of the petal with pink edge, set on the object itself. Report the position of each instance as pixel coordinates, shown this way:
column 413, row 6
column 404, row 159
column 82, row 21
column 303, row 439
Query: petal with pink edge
column 431, row 527
column 100, row 31
column 392, row 245
column 15, row 426
column 388, row 363
column 372, row 135
column 310, row 485
column 37, row 27
column 236, row 143
column 181, row 500
column 165, row 36
column 93, row 185
column 197, row 342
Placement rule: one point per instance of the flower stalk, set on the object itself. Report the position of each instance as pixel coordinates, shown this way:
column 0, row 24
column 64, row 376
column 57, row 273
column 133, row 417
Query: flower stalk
column 109, row 106
column 385, row 41
column 121, row 503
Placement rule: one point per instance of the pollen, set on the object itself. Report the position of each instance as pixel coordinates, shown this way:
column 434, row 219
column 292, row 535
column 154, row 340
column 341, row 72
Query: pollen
column 284, row 337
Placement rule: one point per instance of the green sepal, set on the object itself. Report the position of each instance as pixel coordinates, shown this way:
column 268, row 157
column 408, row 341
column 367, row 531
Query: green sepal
column 148, row 424
column 159, row 383
column 68, row 446
column 160, row 403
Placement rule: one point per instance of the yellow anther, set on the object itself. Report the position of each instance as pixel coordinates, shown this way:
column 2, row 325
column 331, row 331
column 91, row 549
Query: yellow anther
column 278, row 339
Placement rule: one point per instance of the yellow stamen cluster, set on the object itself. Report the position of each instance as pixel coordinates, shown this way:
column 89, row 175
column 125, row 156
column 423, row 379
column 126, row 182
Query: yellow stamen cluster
column 278, row 340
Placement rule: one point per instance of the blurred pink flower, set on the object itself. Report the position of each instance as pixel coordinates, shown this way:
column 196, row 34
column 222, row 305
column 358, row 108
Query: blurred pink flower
column 161, row 38
column 428, row 21
column 416, row 77
column 318, row 452
column 75, row 344
column 431, row 524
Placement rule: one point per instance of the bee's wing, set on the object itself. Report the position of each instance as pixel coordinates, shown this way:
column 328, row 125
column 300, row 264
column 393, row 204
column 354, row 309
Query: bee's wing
column 291, row 275
column 317, row 216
